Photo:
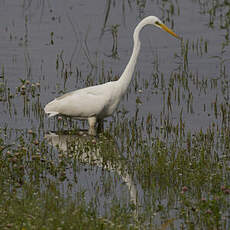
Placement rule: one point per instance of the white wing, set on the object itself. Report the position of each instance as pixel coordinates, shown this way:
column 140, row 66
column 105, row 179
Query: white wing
column 83, row 103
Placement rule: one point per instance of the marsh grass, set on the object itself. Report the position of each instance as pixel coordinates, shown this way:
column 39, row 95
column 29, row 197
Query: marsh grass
column 185, row 179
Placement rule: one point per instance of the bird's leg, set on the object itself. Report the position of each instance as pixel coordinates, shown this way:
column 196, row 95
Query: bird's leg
column 100, row 127
column 92, row 122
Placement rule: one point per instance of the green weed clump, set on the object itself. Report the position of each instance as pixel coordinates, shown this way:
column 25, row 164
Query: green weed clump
column 184, row 183
column 30, row 199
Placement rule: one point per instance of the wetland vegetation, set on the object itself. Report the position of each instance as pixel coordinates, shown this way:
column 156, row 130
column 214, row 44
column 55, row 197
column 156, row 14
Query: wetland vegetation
column 163, row 161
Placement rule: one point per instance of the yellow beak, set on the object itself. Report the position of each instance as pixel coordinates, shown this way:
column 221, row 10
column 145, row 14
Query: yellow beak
column 165, row 28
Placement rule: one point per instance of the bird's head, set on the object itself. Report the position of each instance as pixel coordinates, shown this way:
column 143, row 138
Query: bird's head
column 158, row 23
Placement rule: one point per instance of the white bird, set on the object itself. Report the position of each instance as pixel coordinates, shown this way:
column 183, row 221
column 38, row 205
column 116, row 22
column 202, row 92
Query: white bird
column 97, row 102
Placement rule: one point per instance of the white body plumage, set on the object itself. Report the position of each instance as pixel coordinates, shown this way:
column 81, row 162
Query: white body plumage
column 103, row 99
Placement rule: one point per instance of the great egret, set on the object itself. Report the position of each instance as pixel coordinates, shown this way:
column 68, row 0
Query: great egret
column 97, row 102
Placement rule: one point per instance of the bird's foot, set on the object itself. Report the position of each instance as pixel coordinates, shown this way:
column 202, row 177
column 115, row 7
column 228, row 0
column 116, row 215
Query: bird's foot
column 100, row 126
column 92, row 132
column 92, row 122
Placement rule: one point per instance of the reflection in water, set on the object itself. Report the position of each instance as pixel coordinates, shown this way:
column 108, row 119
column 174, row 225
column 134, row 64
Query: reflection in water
column 100, row 152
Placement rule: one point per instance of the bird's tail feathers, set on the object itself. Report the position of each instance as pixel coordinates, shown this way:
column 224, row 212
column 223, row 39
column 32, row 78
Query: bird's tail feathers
column 52, row 114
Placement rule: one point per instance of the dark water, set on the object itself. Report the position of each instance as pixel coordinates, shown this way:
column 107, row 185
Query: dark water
column 29, row 51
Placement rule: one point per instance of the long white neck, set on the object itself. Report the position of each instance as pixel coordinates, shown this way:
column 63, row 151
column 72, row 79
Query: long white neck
column 126, row 77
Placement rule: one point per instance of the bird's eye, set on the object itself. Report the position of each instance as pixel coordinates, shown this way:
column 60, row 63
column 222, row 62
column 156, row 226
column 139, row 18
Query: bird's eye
column 157, row 23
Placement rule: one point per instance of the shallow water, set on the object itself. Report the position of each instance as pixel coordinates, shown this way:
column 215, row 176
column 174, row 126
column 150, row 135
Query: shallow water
column 29, row 51
column 68, row 45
